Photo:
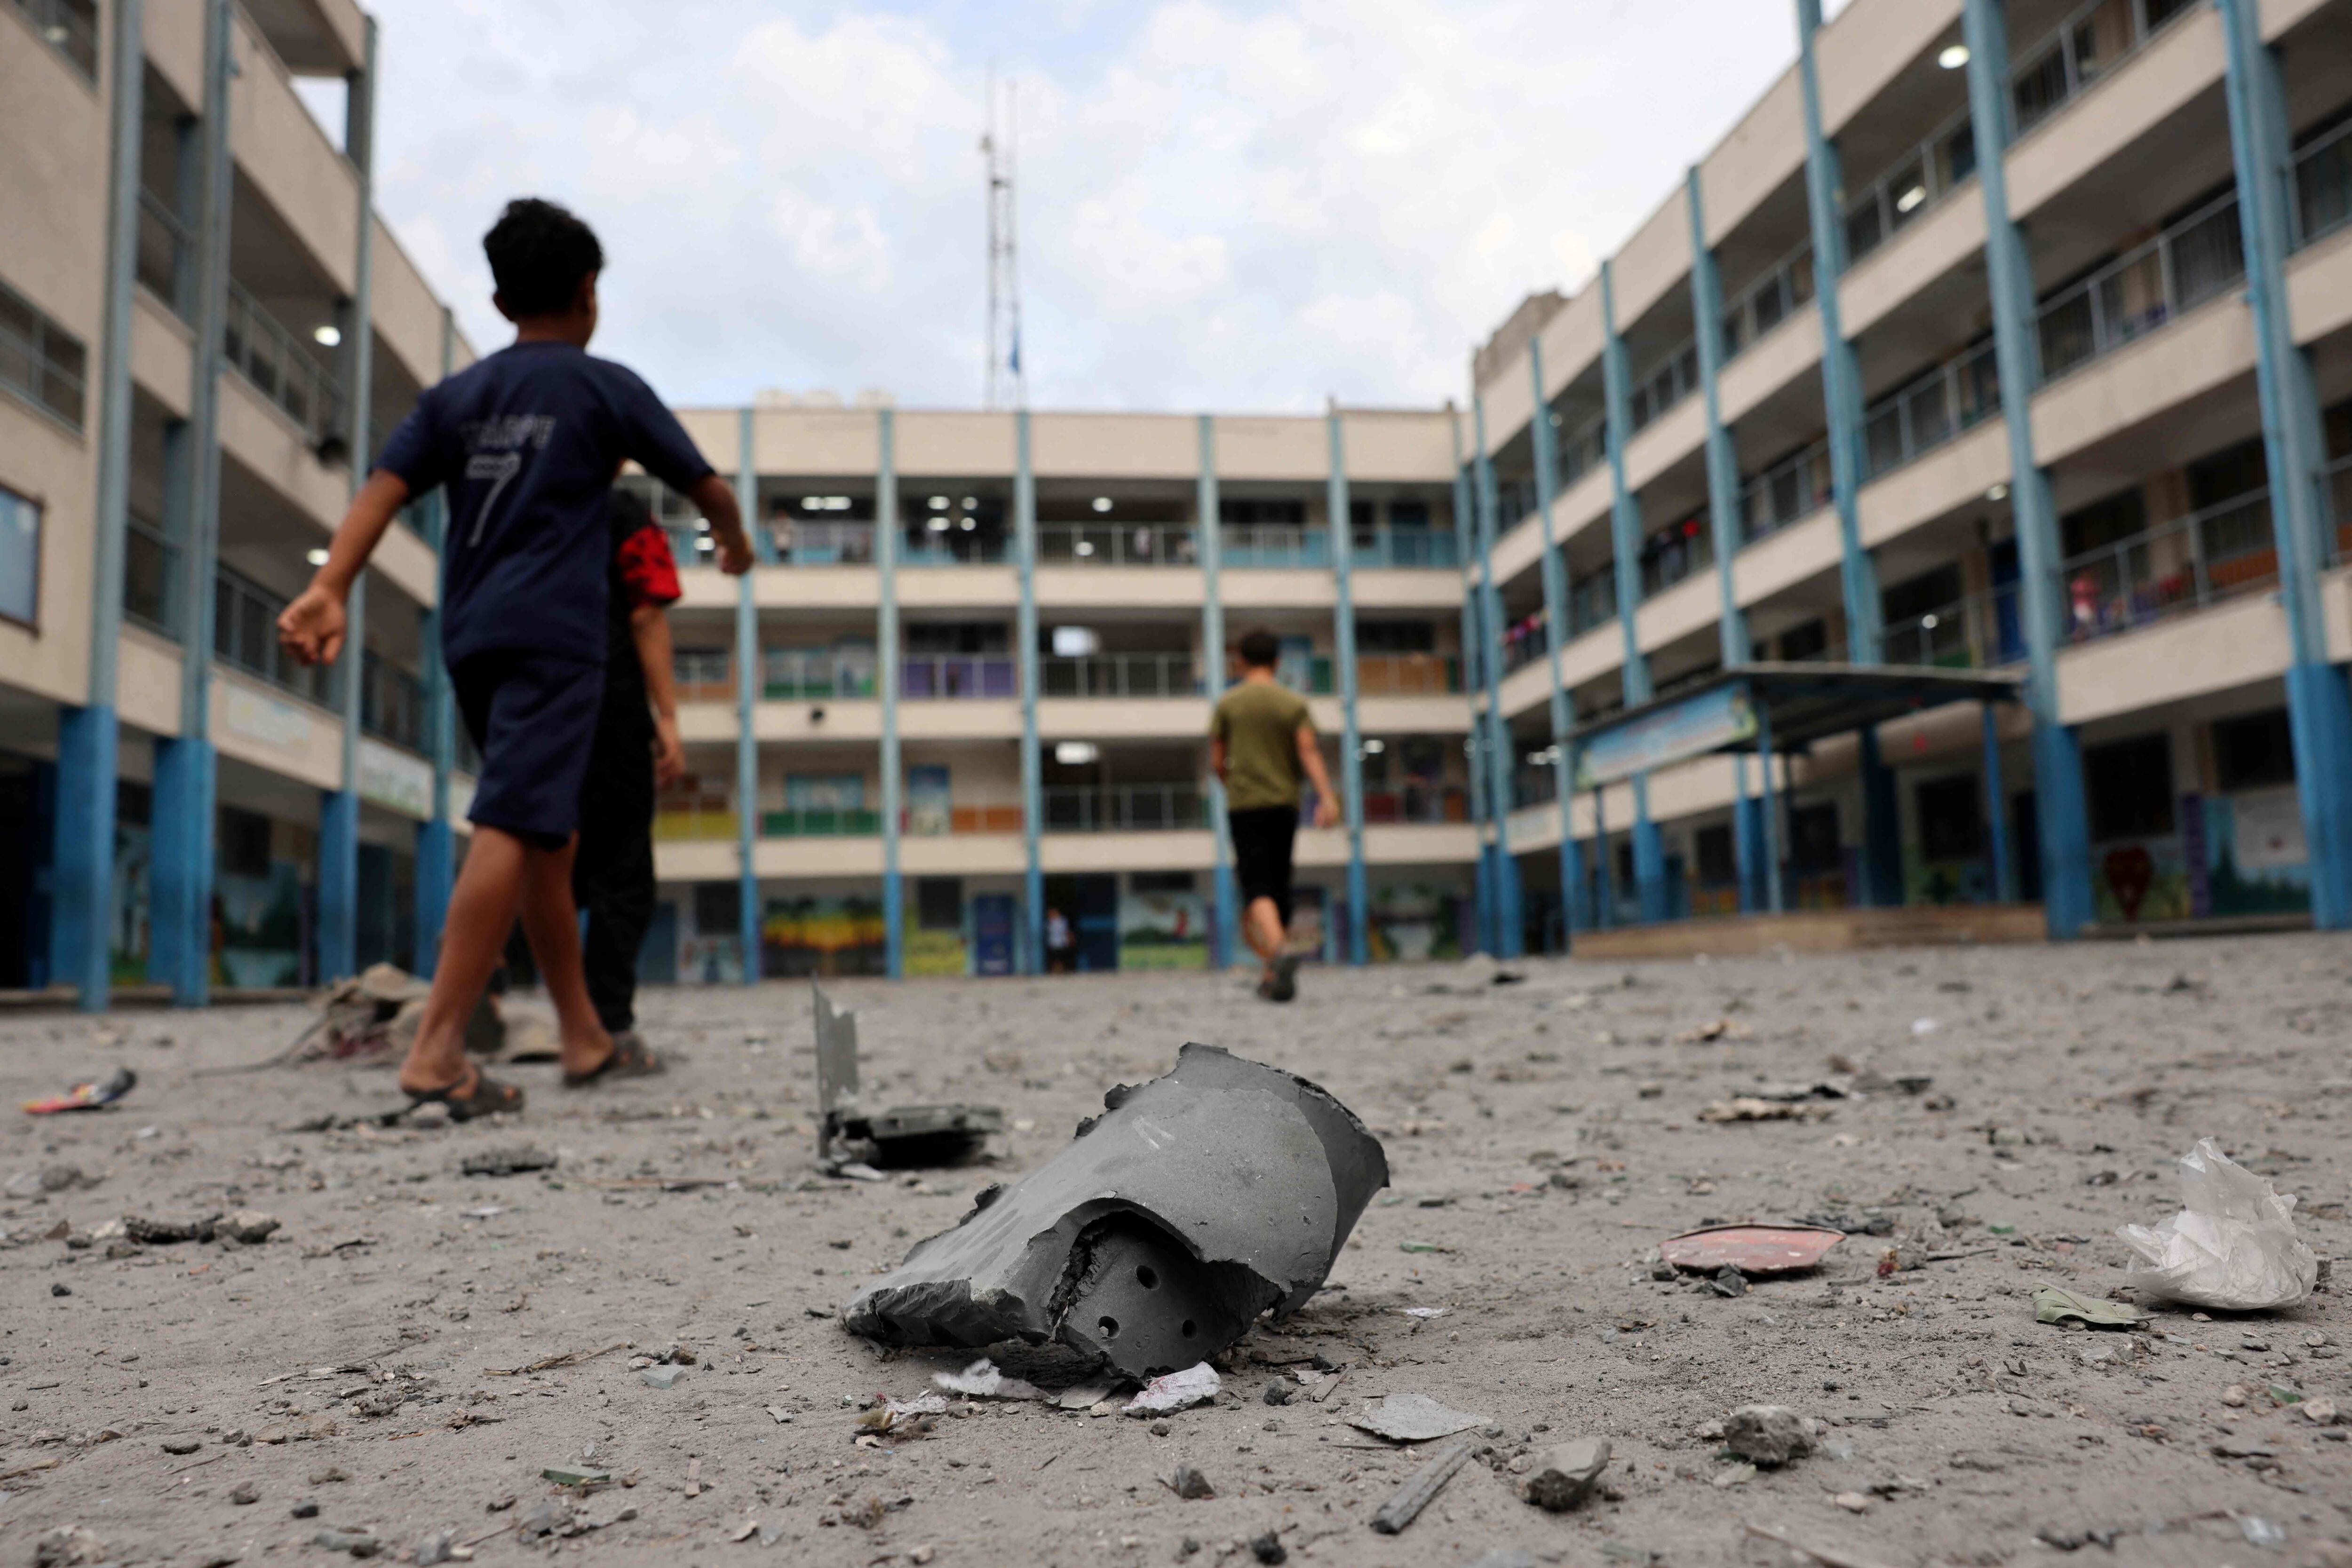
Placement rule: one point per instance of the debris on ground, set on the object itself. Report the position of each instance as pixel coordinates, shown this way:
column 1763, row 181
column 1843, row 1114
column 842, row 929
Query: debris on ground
column 1565, row 1474
column 1404, row 1505
column 67, row 1546
column 1149, row 1242
column 1268, row 1548
column 1767, row 1434
column 981, row 1380
column 250, row 1226
column 1714, row 1030
column 1190, row 1484
column 150, row 1231
column 1759, row 1251
column 1474, row 974
column 899, row 1138
column 96, row 1096
column 2233, row 1246
column 509, row 1159
column 1176, row 1391
column 1748, row 1108
column 2054, row 1305
column 1413, row 1418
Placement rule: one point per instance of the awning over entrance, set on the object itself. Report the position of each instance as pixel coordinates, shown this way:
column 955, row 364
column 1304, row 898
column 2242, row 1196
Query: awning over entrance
column 1786, row 706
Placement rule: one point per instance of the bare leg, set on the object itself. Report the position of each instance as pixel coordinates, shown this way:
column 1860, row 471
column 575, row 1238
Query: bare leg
column 551, row 921
column 481, row 912
column 1261, row 929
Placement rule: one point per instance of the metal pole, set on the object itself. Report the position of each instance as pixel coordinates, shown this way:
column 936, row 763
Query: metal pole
column 886, row 561
column 2004, row 869
column 1540, row 434
column 1343, row 627
column 1474, row 663
column 1032, row 797
column 1207, row 544
column 750, row 682
column 436, row 844
column 1509, row 934
column 1776, row 896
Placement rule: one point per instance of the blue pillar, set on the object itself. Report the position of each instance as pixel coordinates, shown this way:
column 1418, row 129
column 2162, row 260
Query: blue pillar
column 886, row 564
column 1509, row 929
column 2004, row 867
column 1625, row 539
column 1606, row 916
column 1882, row 830
column 1840, row 375
column 1224, row 906
column 2059, row 804
column 750, row 682
column 1343, row 639
column 437, row 848
column 1474, row 663
column 1775, row 881
column 2319, row 706
column 1748, row 842
column 1033, row 795
column 82, row 891
column 1649, row 856
column 1541, row 435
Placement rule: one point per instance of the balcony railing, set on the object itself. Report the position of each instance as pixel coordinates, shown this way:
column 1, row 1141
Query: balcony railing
column 2084, row 48
column 1924, row 414
column 2215, row 554
column 265, row 353
column 1945, row 160
column 798, row 674
column 1416, row 803
column 1403, row 547
column 1584, row 450
column 69, row 27
column 1790, row 490
column 820, row 822
column 2323, row 184
column 1980, row 632
column 392, row 703
column 703, row 674
column 804, row 541
column 953, row 546
column 951, row 677
column 1245, row 546
column 960, row 814
column 244, row 637
column 1125, row 809
column 1525, row 642
column 151, row 576
column 1591, row 603
column 1120, row 675
column 1763, row 304
column 166, row 253
column 1667, row 560
column 703, row 818
column 2141, row 291
column 1113, row 544
column 1407, row 674
column 1673, row 378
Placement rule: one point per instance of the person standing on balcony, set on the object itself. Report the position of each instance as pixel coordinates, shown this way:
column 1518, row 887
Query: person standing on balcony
column 527, row 441
column 1261, row 744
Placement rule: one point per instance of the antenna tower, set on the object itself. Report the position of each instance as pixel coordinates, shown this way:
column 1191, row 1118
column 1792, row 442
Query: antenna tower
column 1005, row 377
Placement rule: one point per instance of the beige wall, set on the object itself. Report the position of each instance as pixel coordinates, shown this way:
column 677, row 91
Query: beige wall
column 2099, row 122
column 289, row 160
column 1867, row 46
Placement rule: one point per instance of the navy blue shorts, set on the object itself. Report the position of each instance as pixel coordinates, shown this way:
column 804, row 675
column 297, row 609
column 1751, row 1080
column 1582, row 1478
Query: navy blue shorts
column 533, row 719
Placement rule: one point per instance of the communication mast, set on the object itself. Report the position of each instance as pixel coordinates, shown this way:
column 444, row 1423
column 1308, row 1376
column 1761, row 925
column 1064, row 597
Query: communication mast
column 1005, row 377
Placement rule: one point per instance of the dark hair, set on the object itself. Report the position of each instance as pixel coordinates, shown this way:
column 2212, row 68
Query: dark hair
column 1260, row 648
column 538, row 252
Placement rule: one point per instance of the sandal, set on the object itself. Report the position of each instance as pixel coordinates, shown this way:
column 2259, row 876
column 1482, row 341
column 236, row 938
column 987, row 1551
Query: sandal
column 486, row 1095
column 631, row 1058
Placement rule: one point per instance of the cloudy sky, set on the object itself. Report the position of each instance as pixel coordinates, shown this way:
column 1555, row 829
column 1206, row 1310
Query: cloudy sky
column 1244, row 204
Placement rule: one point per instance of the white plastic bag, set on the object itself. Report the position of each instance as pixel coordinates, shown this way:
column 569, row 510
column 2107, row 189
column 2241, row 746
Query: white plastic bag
column 2233, row 1246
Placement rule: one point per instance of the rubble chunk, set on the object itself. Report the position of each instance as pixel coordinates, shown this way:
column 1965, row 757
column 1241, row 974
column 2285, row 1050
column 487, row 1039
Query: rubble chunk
column 1564, row 1475
column 1769, row 1434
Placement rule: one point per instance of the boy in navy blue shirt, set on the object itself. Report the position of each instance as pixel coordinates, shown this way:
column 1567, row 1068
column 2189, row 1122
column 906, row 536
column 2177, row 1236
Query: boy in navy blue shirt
column 527, row 441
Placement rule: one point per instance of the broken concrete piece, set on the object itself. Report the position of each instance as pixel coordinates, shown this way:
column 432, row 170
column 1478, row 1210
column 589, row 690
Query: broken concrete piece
column 507, row 1160
column 980, row 1380
column 1176, row 1391
column 1769, row 1434
column 2055, row 1305
column 902, row 1137
column 1085, row 1396
column 1190, row 1484
column 1564, row 1476
column 164, row 1232
column 1413, row 1418
column 251, row 1226
column 662, row 1376
column 1196, row 1202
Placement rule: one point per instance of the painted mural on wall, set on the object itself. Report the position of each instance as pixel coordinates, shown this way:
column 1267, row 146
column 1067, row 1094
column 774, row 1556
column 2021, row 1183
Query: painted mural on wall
column 710, row 960
column 2256, row 859
column 1411, row 922
column 259, row 940
column 2134, row 880
column 1163, row 931
column 127, row 919
column 933, row 953
column 1945, row 882
column 824, row 936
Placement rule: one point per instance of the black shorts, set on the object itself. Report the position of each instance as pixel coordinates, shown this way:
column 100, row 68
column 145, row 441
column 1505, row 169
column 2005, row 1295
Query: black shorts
column 533, row 719
column 1262, row 842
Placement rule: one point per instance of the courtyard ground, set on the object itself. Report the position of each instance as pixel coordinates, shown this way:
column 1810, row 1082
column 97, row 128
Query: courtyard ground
column 1543, row 1138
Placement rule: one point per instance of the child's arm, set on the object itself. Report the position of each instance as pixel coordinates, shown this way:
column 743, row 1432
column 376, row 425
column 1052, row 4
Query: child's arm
column 716, row 497
column 312, row 626
column 649, row 628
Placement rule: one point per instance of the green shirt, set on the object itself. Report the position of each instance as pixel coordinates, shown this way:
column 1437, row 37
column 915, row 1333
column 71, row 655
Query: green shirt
column 1259, row 723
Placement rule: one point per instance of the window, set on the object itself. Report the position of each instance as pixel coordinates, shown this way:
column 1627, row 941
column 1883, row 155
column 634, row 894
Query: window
column 2130, row 786
column 243, row 843
column 2254, row 752
column 1813, row 844
column 38, row 359
column 68, row 26
column 1951, row 824
column 938, row 904
column 1149, row 882
column 1718, row 859
column 20, row 559
column 718, row 911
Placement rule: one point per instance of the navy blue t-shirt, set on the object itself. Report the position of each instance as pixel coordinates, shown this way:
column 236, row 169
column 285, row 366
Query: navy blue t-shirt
column 528, row 442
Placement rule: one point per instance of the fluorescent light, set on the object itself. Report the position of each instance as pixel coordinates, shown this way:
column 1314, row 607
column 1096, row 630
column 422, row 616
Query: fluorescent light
column 316, row 557
column 1374, row 747
column 1085, row 549
column 836, row 503
column 1954, row 56
column 330, row 335
column 1075, row 753
column 1076, row 641
column 939, row 524
column 1997, row 493
column 939, row 503
column 1102, row 503
column 1930, row 621
column 1909, row 200
column 812, row 503
column 970, row 501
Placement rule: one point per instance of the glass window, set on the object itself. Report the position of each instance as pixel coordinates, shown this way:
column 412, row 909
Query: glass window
column 20, row 559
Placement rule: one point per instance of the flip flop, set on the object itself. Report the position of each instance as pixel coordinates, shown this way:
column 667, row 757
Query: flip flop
column 486, row 1095
column 631, row 1058
column 1286, row 977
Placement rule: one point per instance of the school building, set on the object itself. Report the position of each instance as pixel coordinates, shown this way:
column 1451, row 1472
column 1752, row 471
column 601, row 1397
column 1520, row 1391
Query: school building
column 1932, row 506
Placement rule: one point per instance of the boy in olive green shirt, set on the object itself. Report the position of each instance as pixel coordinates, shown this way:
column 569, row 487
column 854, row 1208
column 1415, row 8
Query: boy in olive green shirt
column 1261, row 741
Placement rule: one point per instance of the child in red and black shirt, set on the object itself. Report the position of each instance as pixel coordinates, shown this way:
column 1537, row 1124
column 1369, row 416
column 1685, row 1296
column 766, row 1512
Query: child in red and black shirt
column 636, row 750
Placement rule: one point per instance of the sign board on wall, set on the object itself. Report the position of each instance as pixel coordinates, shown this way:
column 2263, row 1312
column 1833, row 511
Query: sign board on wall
column 264, row 718
column 1707, row 722
column 2269, row 829
column 394, row 779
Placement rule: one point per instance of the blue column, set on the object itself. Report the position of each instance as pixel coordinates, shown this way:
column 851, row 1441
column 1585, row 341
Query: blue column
column 1840, row 376
column 437, row 849
column 886, row 563
column 2004, row 866
column 1343, row 639
column 751, row 681
column 1775, row 882
column 1747, row 841
column 1625, row 539
column 1474, row 663
column 1607, row 865
column 2059, row 804
column 187, row 765
column 1542, row 437
column 2319, row 706
column 1207, row 544
column 1033, row 795
column 1882, row 830
column 1509, row 932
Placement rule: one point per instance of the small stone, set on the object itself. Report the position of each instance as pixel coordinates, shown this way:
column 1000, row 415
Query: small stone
column 1160, row 1428
column 1769, row 1434
column 431, row 1113
column 237, row 1438
column 1851, row 1502
column 244, row 1492
column 66, row 1545
column 329, row 1476
column 356, row 1542
column 439, row 1547
column 922, row 1553
column 250, row 1226
column 61, row 1290
column 545, row 1519
column 182, row 1444
column 1562, row 1476
column 1189, row 1483
column 1278, row 1393
column 306, row 1509
column 662, row 1376
column 1268, row 1548
column 2235, row 1396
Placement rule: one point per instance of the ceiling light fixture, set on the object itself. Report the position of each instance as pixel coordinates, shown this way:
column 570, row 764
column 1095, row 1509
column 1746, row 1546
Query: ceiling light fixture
column 1997, row 493
column 1909, row 200
column 316, row 557
column 329, row 335
column 939, row 503
column 939, row 524
column 1954, row 56
column 1075, row 753
column 1102, row 503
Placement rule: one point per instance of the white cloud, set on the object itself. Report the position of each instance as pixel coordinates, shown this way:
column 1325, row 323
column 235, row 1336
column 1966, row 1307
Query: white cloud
column 1236, row 206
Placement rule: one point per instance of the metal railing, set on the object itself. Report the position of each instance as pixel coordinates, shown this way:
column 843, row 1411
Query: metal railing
column 68, row 26
column 1526, row 641
column 1584, row 450
column 1753, row 313
column 1669, row 559
column 703, row 674
column 1405, row 546
column 1115, row 544
column 806, row 541
column 166, row 253
column 40, row 358
column 151, row 578
column 244, row 637
column 1673, row 378
column 1976, row 633
column 795, row 674
column 953, row 677
column 820, row 822
column 1243, row 545
column 1125, row 809
column 2084, row 48
column 2215, row 554
column 702, row 817
column 925, row 546
column 1416, row 803
column 1119, row 675
column 2143, row 289
column 266, row 354
column 1930, row 410
column 392, row 703
column 1944, row 161
column 2323, row 186
column 1407, row 674
column 959, row 814
column 1592, row 603
column 1792, row 490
